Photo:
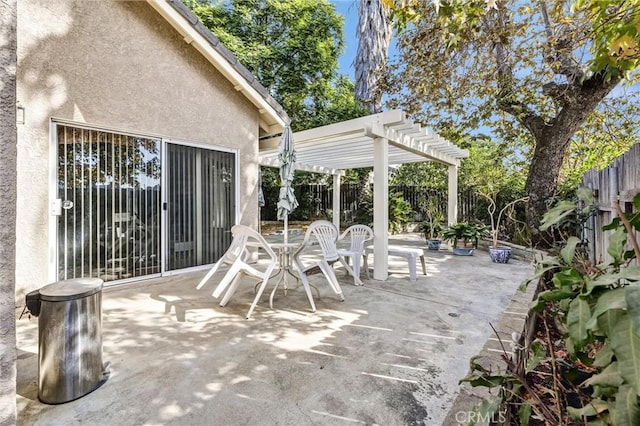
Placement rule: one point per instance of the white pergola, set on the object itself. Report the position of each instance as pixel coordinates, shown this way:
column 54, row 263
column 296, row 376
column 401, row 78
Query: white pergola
column 376, row 141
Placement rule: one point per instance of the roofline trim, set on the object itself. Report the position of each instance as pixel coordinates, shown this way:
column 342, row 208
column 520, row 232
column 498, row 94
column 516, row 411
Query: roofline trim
column 192, row 36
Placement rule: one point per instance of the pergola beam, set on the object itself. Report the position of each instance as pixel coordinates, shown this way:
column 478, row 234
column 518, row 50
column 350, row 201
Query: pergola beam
column 377, row 141
column 274, row 162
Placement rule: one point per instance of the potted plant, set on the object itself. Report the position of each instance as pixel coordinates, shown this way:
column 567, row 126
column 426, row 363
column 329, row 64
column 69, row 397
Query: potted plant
column 432, row 226
column 463, row 237
column 498, row 254
column 431, row 231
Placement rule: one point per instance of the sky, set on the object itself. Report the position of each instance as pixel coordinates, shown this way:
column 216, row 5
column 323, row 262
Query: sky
column 349, row 9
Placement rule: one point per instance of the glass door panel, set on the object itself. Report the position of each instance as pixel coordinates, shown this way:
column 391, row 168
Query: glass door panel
column 108, row 204
column 201, row 205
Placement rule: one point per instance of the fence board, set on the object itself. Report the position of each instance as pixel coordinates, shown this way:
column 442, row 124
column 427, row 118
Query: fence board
column 619, row 181
column 316, row 201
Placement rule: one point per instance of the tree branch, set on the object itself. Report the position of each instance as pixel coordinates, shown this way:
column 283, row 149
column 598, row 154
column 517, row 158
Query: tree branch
column 520, row 111
column 558, row 51
column 507, row 100
column 628, row 227
column 561, row 93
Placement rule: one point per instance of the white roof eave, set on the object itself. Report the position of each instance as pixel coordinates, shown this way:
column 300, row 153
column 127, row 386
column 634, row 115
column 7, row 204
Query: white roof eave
column 270, row 120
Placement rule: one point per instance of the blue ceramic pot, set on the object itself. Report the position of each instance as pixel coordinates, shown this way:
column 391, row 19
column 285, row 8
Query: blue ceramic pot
column 500, row 254
column 434, row 244
column 463, row 251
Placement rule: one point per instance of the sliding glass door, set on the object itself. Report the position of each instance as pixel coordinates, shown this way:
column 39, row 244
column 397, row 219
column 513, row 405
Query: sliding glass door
column 201, row 199
column 123, row 213
column 108, row 204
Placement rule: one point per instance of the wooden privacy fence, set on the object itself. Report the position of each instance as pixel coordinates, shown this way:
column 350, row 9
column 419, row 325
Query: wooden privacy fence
column 316, row 201
column 620, row 180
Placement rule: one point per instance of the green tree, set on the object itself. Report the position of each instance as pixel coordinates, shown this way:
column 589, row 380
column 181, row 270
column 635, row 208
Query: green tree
column 491, row 167
column 608, row 132
column 291, row 46
column 429, row 174
column 542, row 68
column 339, row 104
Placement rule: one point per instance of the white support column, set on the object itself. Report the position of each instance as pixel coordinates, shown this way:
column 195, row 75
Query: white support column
column 336, row 200
column 452, row 205
column 381, row 208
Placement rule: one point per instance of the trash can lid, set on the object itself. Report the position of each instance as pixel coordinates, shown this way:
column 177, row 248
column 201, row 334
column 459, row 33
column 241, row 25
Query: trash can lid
column 70, row 289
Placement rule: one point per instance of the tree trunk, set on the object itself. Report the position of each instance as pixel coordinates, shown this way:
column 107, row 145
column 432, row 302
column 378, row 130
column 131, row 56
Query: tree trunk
column 542, row 180
column 8, row 179
column 374, row 35
column 552, row 141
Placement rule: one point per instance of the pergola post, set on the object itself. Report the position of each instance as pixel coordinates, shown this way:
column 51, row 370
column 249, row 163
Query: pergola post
column 452, row 205
column 377, row 140
column 380, row 208
column 336, row 200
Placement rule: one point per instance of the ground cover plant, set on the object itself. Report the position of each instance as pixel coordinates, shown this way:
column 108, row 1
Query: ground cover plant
column 583, row 367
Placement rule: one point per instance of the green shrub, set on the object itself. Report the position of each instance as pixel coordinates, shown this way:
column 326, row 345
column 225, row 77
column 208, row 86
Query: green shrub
column 400, row 213
column 593, row 310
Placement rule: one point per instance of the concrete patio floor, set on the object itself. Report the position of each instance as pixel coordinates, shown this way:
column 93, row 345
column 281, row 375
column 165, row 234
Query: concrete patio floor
column 391, row 354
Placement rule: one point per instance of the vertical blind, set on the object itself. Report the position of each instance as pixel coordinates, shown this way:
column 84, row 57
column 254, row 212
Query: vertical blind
column 110, row 196
column 109, row 190
column 201, row 208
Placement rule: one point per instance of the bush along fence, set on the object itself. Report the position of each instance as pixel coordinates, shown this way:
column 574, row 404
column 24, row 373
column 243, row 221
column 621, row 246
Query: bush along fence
column 316, row 202
column 583, row 365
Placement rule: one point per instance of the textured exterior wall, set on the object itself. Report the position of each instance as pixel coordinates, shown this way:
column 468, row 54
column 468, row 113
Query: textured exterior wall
column 119, row 65
column 8, row 353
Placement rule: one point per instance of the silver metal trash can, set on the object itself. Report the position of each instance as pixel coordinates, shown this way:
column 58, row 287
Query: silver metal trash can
column 69, row 339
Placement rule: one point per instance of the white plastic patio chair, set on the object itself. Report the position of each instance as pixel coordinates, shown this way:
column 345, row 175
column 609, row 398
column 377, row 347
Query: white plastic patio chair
column 359, row 238
column 236, row 257
column 326, row 234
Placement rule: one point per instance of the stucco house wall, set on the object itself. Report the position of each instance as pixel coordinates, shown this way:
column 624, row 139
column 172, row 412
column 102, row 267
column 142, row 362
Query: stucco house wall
column 117, row 65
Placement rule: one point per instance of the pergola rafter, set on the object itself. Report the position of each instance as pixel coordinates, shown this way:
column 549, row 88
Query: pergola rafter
column 377, row 141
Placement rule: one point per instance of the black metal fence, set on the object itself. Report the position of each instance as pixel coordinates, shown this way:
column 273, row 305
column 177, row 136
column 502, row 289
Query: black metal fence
column 316, row 202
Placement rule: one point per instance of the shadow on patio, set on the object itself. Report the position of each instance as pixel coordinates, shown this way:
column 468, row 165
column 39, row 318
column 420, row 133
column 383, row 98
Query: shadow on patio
column 391, row 353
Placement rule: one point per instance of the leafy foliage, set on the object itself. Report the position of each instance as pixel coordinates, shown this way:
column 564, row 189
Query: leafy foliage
column 607, row 133
column 430, row 173
column 595, row 307
column 615, row 25
column 432, row 226
column 465, row 232
column 534, row 73
column 400, row 211
column 291, row 46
